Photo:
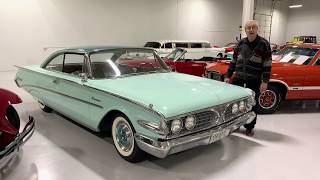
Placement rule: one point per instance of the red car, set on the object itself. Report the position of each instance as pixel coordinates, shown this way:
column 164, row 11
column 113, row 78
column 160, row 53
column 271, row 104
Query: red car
column 10, row 137
column 295, row 76
column 178, row 61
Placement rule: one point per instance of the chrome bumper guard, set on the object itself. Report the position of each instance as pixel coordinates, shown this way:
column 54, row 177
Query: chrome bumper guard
column 12, row 150
column 161, row 149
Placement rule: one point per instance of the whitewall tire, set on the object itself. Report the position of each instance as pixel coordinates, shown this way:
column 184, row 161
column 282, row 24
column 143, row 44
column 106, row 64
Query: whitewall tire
column 123, row 139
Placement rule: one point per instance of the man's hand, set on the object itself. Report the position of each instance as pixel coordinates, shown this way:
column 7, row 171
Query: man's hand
column 227, row 80
column 263, row 87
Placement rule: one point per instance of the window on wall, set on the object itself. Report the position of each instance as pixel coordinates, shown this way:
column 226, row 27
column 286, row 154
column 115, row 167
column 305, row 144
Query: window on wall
column 73, row 63
column 55, row 64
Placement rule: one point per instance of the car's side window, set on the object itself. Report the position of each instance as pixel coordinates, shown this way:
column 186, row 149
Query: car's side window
column 56, row 63
column 196, row 45
column 168, row 45
column 73, row 64
column 181, row 45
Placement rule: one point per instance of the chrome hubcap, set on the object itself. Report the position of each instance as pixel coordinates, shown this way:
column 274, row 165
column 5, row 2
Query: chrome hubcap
column 267, row 99
column 124, row 136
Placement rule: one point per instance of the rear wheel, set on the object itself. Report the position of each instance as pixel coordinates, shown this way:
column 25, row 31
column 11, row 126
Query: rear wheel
column 44, row 108
column 13, row 117
column 123, row 140
column 269, row 101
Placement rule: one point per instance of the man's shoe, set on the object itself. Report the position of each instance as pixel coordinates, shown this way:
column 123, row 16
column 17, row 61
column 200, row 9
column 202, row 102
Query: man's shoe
column 249, row 132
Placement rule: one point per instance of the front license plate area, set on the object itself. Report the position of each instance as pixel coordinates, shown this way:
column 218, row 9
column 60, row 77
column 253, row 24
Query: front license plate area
column 219, row 135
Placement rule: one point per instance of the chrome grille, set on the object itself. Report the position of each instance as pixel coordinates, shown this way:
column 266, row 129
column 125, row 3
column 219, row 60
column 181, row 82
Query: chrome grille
column 215, row 75
column 209, row 118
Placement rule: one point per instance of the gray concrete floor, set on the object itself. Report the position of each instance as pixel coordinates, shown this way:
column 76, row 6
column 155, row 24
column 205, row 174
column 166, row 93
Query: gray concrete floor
column 285, row 147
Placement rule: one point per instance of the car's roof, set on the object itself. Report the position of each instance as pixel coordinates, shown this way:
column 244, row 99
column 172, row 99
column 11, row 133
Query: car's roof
column 305, row 45
column 89, row 49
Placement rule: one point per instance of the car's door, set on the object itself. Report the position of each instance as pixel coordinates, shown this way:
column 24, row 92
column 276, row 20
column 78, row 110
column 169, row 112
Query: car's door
column 312, row 80
column 74, row 97
column 47, row 93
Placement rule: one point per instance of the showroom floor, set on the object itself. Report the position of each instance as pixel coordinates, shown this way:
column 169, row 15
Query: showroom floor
column 285, row 147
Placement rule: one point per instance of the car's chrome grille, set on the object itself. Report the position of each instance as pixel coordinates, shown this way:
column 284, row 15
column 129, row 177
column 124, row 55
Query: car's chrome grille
column 209, row 118
column 215, row 75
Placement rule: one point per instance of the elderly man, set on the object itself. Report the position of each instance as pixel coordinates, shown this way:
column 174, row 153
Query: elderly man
column 251, row 64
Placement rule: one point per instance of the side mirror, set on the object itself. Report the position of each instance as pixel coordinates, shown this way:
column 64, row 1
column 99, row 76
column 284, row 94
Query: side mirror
column 83, row 77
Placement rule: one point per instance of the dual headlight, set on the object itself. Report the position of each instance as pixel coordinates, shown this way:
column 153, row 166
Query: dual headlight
column 177, row 125
column 238, row 107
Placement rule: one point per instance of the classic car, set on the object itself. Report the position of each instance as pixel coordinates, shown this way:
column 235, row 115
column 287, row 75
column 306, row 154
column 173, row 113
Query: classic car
column 11, row 139
column 178, row 61
column 295, row 75
column 196, row 48
column 131, row 93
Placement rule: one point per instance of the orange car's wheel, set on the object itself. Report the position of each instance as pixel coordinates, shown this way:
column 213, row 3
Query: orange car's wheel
column 123, row 140
column 269, row 101
column 13, row 117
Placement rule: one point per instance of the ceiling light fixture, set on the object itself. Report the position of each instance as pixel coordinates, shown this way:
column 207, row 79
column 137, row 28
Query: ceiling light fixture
column 296, row 6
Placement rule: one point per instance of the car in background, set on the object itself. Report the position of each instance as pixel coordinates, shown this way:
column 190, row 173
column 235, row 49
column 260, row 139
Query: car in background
column 11, row 140
column 133, row 94
column 196, row 48
column 178, row 61
column 294, row 76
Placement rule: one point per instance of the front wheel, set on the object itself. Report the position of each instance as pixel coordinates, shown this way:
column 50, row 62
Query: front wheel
column 123, row 140
column 269, row 101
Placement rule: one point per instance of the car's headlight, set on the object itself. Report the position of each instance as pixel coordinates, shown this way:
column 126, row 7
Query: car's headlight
column 242, row 106
column 190, row 122
column 235, row 108
column 176, row 126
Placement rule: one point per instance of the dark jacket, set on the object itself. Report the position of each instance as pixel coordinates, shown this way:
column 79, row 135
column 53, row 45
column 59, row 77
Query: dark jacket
column 251, row 60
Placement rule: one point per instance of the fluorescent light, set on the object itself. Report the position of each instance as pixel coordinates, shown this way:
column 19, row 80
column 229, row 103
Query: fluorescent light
column 296, row 6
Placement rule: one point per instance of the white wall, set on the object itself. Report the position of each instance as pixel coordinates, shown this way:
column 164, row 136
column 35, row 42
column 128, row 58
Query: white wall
column 305, row 20
column 28, row 27
column 279, row 23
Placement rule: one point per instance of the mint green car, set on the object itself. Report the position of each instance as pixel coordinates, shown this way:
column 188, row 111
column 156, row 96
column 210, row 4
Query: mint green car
column 131, row 93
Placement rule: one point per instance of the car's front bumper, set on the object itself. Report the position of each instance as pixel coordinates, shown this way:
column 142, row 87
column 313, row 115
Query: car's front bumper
column 11, row 151
column 162, row 149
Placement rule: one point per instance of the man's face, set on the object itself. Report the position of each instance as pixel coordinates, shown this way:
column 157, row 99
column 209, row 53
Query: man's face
column 251, row 30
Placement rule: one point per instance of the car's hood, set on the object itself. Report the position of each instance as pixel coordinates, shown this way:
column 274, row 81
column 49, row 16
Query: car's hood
column 172, row 93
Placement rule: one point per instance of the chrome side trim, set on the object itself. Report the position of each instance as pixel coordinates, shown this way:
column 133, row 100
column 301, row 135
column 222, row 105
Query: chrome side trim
column 299, row 88
column 105, row 92
column 71, row 97
column 161, row 149
column 129, row 100
column 279, row 81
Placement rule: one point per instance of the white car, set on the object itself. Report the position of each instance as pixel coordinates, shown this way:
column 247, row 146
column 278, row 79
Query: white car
column 196, row 48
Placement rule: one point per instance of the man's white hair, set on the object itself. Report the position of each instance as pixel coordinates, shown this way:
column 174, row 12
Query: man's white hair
column 252, row 22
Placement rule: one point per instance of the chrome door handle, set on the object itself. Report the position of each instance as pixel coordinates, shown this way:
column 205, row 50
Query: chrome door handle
column 95, row 99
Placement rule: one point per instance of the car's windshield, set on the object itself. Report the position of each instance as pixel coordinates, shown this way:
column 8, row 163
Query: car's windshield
column 175, row 55
column 123, row 62
column 296, row 55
